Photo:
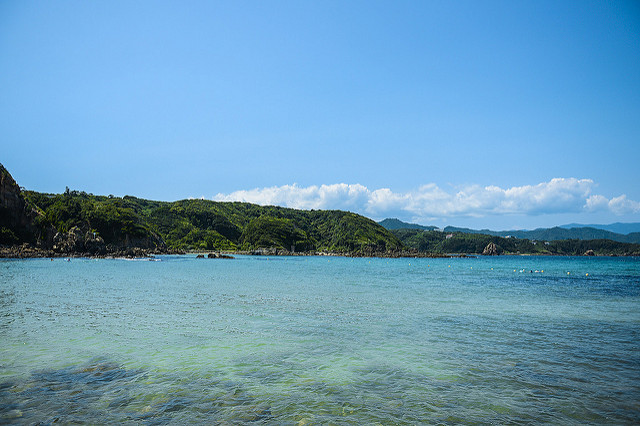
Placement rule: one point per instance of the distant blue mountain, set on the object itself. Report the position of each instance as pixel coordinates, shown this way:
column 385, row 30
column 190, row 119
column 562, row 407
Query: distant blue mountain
column 556, row 233
column 618, row 228
column 566, row 232
column 398, row 224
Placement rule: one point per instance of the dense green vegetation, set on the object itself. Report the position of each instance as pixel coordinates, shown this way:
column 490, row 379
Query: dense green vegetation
column 114, row 219
column 209, row 225
column 600, row 247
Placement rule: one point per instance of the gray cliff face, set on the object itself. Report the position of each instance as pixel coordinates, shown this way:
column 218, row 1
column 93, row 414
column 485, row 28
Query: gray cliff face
column 15, row 218
column 150, row 242
column 11, row 200
column 18, row 218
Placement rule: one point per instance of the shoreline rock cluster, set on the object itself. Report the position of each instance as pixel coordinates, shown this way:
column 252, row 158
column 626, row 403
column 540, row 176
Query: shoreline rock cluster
column 217, row 255
column 358, row 254
column 28, row 251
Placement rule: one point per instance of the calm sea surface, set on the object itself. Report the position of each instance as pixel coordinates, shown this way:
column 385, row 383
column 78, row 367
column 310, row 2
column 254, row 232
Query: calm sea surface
column 320, row 340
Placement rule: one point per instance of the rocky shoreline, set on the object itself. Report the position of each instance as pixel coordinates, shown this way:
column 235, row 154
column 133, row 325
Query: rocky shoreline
column 26, row 251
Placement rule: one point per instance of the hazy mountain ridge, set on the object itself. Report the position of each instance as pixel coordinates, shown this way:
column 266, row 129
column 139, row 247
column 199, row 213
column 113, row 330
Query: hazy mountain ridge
column 555, row 234
column 394, row 223
column 541, row 234
column 477, row 243
column 617, row 227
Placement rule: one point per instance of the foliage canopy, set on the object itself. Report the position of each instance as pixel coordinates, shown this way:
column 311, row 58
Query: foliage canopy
column 210, row 225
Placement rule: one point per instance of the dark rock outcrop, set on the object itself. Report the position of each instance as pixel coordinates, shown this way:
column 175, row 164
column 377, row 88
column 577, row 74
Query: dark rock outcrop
column 79, row 240
column 219, row 256
column 93, row 243
column 491, row 250
column 151, row 241
column 15, row 217
column 18, row 220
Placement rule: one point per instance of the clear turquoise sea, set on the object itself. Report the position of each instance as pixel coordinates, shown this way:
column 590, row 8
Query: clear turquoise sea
column 320, row 340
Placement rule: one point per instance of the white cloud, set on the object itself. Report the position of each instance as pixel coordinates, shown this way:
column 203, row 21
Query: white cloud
column 596, row 203
column 559, row 195
column 620, row 205
column 339, row 196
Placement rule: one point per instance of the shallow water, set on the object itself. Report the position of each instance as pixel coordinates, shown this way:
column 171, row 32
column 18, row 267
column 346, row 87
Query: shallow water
column 317, row 340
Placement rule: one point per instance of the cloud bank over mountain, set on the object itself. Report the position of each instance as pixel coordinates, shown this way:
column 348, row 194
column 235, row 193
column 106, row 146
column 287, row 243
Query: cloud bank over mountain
column 428, row 202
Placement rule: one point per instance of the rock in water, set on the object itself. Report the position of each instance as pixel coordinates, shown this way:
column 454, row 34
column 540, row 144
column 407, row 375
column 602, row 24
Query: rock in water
column 219, row 256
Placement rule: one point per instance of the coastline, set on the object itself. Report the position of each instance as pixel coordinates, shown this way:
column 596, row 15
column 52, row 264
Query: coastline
column 27, row 251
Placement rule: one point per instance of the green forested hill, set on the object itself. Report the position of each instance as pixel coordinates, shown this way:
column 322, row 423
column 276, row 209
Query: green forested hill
column 210, row 225
column 565, row 232
column 392, row 224
column 460, row 242
column 555, row 233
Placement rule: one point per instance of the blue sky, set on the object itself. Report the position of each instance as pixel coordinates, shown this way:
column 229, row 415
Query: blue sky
column 500, row 114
